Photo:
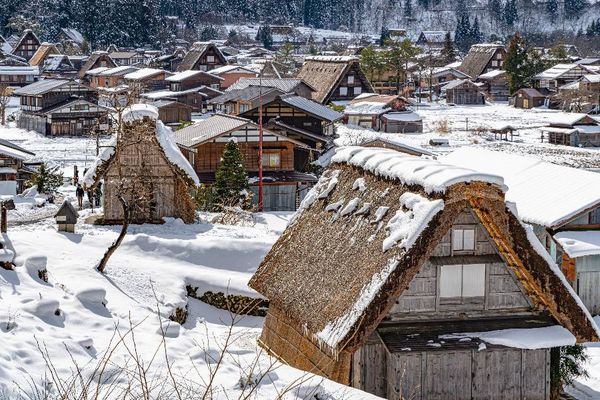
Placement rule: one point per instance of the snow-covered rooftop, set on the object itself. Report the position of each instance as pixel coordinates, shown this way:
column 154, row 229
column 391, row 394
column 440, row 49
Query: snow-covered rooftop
column 181, row 76
column 579, row 243
column 432, row 175
column 143, row 73
column 545, row 194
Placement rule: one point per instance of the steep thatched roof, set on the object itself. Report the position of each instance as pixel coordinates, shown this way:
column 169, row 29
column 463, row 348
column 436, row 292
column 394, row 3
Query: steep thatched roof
column 478, row 58
column 42, row 53
column 325, row 73
column 354, row 248
column 196, row 52
column 94, row 57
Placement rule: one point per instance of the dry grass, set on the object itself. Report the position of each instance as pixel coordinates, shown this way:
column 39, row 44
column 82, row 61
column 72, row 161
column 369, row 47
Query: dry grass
column 442, row 126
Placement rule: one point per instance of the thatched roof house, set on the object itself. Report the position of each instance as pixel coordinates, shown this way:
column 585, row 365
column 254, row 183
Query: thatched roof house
column 145, row 166
column 203, row 56
column 483, row 58
column 45, row 49
column 336, row 78
column 366, row 275
column 98, row 59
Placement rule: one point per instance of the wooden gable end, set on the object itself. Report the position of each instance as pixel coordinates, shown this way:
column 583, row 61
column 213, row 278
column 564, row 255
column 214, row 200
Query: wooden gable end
column 466, row 260
column 352, row 82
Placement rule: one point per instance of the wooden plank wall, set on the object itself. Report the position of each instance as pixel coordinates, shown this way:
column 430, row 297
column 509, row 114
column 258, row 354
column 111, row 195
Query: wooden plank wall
column 506, row 374
column 503, row 295
column 208, row 156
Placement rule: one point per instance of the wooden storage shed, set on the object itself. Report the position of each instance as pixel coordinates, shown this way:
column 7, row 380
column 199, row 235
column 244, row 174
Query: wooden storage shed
column 462, row 92
column 409, row 283
column 145, row 166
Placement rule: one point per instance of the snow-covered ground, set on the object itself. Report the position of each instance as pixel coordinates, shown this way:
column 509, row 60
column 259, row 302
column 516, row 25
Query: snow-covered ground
column 470, row 126
column 73, row 318
column 155, row 263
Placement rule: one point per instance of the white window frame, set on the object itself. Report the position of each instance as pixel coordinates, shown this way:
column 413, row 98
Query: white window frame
column 343, row 91
column 210, row 58
column 350, row 79
column 462, row 281
column 357, row 90
column 462, row 242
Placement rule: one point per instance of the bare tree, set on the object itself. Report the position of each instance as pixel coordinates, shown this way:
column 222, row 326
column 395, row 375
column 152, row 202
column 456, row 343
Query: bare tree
column 5, row 93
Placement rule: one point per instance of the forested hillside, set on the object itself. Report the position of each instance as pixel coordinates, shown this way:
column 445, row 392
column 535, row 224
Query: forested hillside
column 136, row 23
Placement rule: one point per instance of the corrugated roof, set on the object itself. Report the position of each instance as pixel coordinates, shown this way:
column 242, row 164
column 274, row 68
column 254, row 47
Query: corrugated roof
column 41, row 87
column 312, row 107
column 207, row 129
column 545, row 194
column 181, row 76
column 286, row 85
column 247, row 93
column 143, row 73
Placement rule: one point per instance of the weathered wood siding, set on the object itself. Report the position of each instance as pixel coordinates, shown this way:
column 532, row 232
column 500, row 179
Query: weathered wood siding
column 503, row 294
column 140, row 165
column 208, row 156
column 467, row 374
column 369, row 367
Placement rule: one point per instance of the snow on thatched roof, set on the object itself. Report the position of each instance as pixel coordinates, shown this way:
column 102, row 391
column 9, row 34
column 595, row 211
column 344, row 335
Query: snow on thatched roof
column 367, row 227
column 164, row 136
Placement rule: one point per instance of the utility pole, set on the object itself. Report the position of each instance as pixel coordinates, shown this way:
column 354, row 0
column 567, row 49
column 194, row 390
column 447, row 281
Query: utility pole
column 260, row 144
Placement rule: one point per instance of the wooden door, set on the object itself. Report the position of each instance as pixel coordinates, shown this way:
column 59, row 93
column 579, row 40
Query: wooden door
column 525, row 103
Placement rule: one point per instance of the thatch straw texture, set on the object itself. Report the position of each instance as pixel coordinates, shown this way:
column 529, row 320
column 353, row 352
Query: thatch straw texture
column 316, row 272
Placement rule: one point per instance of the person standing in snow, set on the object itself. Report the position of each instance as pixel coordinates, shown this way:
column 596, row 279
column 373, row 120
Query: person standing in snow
column 79, row 193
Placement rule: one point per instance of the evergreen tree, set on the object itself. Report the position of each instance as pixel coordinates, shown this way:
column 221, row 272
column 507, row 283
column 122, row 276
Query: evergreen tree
column 448, row 51
column 516, row 56
column 265, row 36
column 559, row 53
column 285, row 58
column 397, row 56
column 231, row 186
column 209, row 33
column 462, row 36
column 574, row 8
column 510, row 12
column 475, row 34
column 46, row 179
column 408, row 8
column 552, row 8
column 384, row 37
column 371, row 62
column 495, row 9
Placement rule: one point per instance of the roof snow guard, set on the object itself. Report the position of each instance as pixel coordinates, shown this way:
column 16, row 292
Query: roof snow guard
column 365, row 230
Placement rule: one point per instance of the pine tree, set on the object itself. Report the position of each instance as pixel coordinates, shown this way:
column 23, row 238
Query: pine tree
column 574, row 8
column 448, row 51
column 408, row 8
column 552, row 8
column 265, row 36
column 495, row 9
column 462, row 34
column 397, row 57
column 209, row 33
column 46, row 179
column 515, row 59
column 385, row 35
column 371, row 62
column 231, row 186
column 475, row 34
column 510, row 12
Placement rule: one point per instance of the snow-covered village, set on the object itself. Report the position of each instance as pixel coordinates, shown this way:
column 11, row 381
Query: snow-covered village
column 310, row 199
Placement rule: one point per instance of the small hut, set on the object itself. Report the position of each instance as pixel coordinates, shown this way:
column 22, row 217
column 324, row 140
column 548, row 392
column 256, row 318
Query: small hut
column 463, row 91
column 144, row 167
column 66, row 217
column 418, row 281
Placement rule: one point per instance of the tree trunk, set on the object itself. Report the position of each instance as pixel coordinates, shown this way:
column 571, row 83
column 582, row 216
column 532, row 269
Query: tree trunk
column 113, row 247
